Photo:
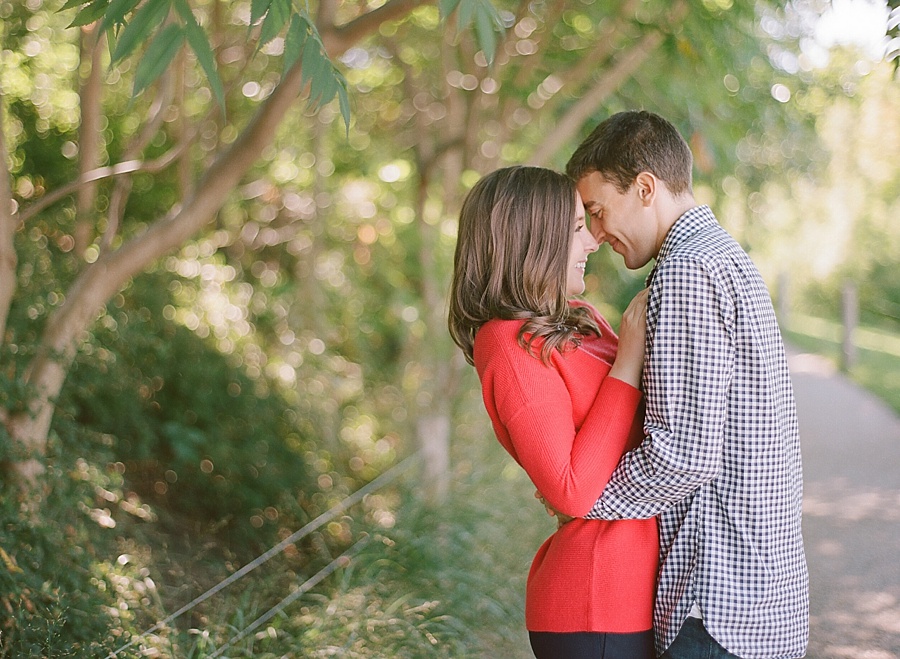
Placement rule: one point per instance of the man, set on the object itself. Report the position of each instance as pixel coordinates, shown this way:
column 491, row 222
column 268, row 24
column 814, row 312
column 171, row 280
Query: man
column 720, row 463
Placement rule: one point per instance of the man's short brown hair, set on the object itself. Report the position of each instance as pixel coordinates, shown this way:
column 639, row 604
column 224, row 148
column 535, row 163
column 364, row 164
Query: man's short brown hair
column 631, row 142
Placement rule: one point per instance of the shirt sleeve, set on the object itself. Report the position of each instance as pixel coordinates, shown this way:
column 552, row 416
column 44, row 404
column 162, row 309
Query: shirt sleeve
column 533, row 411
column 687, row 375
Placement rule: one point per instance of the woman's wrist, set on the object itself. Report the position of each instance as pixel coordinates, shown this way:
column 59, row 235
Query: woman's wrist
column 627, row 371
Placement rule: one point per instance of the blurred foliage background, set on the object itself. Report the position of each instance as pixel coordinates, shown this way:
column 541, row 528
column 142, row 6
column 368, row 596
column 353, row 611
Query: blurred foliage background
column 228, row 308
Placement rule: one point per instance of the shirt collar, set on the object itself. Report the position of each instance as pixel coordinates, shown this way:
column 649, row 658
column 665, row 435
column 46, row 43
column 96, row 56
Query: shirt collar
column 685, row 226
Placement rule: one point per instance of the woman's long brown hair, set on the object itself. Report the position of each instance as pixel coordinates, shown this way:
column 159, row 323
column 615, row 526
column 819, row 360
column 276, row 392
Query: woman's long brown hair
column 512, row 255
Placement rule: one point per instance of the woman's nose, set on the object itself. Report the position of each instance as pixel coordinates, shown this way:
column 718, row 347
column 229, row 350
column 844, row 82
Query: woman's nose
column 590, row 242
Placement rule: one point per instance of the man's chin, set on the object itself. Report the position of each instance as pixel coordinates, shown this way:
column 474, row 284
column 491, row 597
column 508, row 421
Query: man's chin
column 634, row 262
column 628, row 258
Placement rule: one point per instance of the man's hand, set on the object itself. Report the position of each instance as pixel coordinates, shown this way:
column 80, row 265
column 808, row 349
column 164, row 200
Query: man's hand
column 560, row 517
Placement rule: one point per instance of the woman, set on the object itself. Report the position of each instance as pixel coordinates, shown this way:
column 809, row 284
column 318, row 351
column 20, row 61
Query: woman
column 562, row 393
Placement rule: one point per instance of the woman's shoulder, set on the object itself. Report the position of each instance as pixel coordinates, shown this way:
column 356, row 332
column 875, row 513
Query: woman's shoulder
column 498, row 334
column 497, row 347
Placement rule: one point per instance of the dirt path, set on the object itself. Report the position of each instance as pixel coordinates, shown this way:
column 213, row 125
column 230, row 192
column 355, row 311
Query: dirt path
column 851, row 460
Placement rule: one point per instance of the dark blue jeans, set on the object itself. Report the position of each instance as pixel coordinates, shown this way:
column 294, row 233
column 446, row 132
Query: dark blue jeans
column 592, row 645
column 694, row 642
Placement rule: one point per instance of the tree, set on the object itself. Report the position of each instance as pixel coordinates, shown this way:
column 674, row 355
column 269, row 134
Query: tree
column 99, row 280
column 519, row 86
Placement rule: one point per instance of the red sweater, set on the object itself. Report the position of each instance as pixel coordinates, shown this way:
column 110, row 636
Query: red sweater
column 567, row 425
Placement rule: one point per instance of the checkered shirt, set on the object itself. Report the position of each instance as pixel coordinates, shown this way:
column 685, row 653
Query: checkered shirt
column 720, row 464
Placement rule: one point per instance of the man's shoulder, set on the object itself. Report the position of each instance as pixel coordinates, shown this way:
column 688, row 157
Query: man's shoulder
column 710, row 238
column 710, row 247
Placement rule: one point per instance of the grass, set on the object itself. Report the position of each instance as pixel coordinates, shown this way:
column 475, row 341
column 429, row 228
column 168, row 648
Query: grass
column 446, row 582
column 428, row 582
column 877, row 364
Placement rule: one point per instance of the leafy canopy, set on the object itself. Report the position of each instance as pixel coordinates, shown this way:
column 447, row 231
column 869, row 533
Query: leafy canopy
column 167, row 25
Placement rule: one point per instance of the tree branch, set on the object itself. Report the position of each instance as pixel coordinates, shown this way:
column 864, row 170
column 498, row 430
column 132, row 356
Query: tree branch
column 568, row 126
column 327, row 14
column 99, row 174
column 527, row 65
column 338, row 39
column 603, row 46
column 97, row 283
column 574, row 77
column 122, row 189
column 625, row 66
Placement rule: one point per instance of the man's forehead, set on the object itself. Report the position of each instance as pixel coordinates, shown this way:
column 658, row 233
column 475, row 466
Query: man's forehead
column 593, row 198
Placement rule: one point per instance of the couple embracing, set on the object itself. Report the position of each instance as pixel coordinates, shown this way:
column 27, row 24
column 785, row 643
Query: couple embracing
column 673, row 447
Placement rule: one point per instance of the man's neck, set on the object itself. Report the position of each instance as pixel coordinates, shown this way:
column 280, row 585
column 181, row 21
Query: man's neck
column 672, row 210
column 683, row 204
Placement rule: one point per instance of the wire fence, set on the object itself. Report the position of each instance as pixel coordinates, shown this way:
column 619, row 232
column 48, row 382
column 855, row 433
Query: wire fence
column 381, row 481
column 341, row 561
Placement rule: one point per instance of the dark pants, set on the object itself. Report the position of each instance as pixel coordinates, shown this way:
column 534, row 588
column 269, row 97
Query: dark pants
column 694, row 642
column 592, row 645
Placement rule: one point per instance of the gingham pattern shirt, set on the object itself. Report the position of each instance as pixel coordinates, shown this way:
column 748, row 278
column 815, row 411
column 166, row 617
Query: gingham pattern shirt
column 720, row 464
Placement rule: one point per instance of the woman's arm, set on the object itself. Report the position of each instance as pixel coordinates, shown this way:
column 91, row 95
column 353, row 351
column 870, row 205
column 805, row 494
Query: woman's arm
column 533, row 417
column 629, row 363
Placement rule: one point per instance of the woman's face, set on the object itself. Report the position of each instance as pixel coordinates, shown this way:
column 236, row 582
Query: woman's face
column 583, row 243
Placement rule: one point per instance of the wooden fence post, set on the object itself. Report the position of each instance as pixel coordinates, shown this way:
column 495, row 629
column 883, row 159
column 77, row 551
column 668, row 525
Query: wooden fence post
column 850, row 315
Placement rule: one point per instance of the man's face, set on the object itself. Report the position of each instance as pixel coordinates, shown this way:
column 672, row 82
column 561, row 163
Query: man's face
column 624, row 220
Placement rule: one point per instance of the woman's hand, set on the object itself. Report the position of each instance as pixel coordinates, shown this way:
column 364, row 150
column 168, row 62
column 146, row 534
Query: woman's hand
column 632, row 335
column 561, row 518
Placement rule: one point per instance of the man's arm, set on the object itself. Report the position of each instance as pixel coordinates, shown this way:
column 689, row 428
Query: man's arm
column 687, row 377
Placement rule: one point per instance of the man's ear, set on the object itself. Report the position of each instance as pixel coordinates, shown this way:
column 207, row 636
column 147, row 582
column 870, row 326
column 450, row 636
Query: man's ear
column 647, row 187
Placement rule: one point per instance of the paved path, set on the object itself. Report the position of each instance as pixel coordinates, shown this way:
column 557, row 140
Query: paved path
column 851, row 514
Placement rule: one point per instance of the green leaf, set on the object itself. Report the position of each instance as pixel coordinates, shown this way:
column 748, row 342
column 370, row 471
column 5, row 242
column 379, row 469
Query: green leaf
column 303, row 43
column 199, row 43
column 184, row 10
column 486, row 22
column 325, row 91
column 158, row 56
column 116, row 13
column 112, row 40
column 74, row 3
column 344, row 101
column 466, row 14
column 278, row 14
column 258, row 9
column 138, row 30
column 294, row 41
column 311, row 58
column 93, row 12
column 447, row 7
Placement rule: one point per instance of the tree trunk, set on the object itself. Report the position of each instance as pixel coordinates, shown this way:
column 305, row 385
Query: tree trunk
column 433, row 431
column 8, row 222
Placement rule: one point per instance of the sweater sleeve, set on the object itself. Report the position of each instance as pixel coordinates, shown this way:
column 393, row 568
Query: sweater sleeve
column 532, row 413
